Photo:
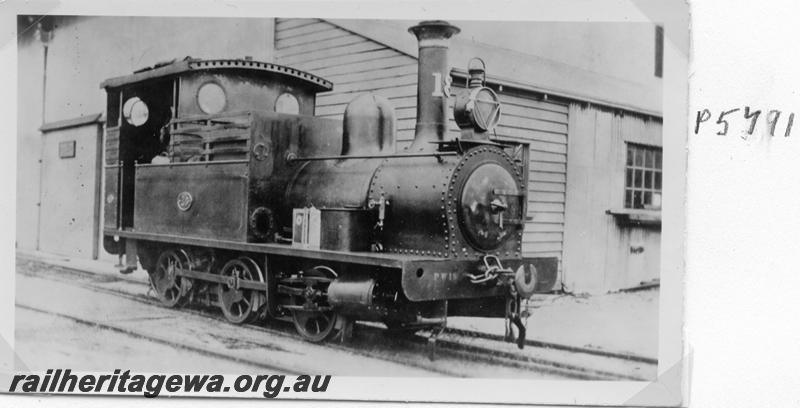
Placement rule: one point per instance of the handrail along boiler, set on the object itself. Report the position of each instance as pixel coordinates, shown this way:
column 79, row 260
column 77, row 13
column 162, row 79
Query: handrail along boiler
column 224, row 186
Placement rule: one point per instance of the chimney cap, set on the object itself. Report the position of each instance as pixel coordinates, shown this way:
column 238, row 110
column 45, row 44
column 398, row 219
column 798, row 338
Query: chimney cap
column 434, row 29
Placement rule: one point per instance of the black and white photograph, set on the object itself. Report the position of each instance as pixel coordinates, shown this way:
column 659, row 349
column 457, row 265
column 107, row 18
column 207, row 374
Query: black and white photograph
column 272, row 205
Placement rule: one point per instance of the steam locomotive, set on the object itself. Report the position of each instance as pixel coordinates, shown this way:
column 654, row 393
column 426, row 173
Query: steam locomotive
column 224, row 186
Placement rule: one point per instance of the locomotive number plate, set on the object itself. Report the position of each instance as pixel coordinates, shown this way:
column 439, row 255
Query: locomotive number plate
column 184, row 201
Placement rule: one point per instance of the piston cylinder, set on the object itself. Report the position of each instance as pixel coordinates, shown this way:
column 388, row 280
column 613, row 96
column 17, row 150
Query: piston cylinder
column 354, row 296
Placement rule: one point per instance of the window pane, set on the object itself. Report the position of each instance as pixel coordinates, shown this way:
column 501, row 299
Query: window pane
column 643, row 176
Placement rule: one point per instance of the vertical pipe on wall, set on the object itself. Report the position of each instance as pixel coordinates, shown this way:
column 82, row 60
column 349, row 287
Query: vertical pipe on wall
column 98, row 194
column 44, row 37
column 44, row 85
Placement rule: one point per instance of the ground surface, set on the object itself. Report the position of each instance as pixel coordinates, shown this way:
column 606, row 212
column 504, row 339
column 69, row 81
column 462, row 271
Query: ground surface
column 617, row 322
column 100, row 322
column 47, row 341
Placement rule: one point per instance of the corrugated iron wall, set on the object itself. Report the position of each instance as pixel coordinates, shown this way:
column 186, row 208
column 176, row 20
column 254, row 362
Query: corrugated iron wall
column 357, row 65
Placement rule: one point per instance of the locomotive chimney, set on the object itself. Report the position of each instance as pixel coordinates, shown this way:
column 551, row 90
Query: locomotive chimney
column 433, row 82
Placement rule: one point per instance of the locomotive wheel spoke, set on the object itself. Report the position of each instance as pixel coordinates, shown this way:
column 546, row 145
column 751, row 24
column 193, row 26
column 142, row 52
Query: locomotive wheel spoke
column 244, row 303
column 314, row 326
column 164, row 280
column 236, row 302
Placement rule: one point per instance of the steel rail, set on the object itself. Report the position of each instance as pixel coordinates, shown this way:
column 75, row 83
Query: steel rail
column 156, row 339
column 287, row 332
column 556, row 346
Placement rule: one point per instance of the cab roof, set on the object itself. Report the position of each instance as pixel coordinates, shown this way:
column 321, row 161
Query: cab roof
column 187, row 64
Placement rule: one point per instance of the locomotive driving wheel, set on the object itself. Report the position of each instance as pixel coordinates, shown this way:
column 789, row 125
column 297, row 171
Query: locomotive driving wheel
column 168, row 285
column 239, row 304
column 314, row 319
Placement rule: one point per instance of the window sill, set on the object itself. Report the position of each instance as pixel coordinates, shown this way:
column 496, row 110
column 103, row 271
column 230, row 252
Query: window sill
column 631, row 216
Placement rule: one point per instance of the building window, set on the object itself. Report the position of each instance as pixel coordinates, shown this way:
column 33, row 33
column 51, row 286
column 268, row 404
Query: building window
column 659, row 51
column 643, row 177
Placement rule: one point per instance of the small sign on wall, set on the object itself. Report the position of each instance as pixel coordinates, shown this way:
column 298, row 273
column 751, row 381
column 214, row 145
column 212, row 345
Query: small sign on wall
column 66, row 150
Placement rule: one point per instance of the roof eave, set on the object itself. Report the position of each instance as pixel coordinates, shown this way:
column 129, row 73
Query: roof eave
column 171, row 69
column 523, row 86
column 312, row 81
column 407, row 45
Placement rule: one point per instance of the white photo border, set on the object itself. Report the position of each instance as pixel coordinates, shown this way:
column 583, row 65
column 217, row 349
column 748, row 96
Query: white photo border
column 671, row 387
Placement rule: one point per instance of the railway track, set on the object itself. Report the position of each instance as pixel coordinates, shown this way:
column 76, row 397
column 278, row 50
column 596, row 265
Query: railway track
column 458, row 353
column 164, row 340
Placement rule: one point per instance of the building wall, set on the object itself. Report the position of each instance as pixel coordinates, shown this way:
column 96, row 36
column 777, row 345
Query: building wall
column 612, row 64
column 543, row 124
column 599, row 253
column 354, row 64
column 86, row 50
column 358, row 65
column 595, row 46
column 78, row 61
column 30, row 58
column 568, row 198
column 69, row 192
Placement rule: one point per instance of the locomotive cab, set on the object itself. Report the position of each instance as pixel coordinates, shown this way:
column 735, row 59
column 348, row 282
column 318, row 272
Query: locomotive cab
column 201, row 111
column 135, row 116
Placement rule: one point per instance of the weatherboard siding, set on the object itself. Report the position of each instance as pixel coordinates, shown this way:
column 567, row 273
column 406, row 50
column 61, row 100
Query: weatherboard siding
column 354, row 64
column 543, row 125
